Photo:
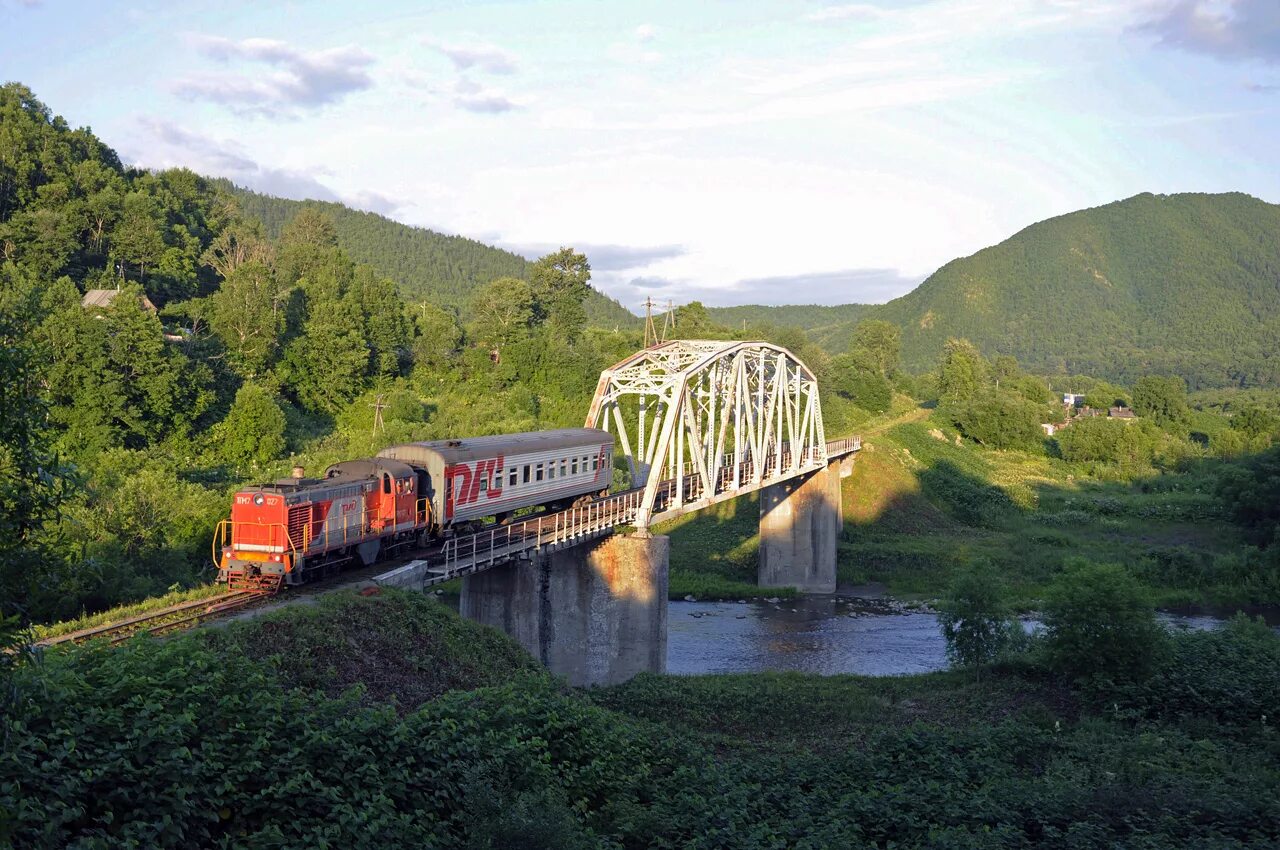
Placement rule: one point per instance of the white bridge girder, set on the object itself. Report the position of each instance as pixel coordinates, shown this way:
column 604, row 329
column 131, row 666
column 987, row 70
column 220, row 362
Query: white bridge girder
column 700, row 421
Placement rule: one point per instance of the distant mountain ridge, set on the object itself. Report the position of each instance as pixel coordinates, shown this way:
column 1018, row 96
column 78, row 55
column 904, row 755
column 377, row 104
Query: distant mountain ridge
column 426, row 265
column 1185, row 284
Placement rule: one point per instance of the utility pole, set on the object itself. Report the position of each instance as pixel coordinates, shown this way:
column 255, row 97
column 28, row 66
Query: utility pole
column 377, row 406
column 668, row 320
column 650, row 334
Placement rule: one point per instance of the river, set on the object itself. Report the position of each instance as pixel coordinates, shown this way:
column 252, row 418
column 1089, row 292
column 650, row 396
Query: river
column 828, row 634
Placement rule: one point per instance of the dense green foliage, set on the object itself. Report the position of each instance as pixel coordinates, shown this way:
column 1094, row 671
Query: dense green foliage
column 271, row 347
column 1163, row 400
column 450, row 737
column 1099, row 622
column 253, row 432
column 975, row 618
column 999, row 419
column 428, row 266
column 1130, row 445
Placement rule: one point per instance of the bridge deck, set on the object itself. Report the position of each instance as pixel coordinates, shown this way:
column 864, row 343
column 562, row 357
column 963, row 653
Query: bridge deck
column 471, row 553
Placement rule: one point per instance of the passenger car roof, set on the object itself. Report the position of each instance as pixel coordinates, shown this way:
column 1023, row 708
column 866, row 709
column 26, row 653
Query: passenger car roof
column 473, row 448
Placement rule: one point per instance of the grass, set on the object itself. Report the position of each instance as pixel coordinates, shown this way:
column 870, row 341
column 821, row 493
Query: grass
column 124, row 612
column 921, row 503
column 399, row 647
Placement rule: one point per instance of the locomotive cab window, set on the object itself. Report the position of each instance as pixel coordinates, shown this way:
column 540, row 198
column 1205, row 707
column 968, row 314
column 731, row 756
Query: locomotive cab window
column 386, row 483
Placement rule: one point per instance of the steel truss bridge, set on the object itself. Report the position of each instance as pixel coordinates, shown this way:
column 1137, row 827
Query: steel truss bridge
column 698, row 421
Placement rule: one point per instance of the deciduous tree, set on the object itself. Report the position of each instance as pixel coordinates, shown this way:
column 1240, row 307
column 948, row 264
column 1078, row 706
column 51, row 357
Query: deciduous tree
column 882, row 341
column 962, row 373
column 253, row 432
column 560, row 282
column 503, row 310
column 247, row 313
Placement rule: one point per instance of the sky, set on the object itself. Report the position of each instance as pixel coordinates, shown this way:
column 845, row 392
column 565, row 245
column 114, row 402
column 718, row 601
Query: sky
column 772, row 152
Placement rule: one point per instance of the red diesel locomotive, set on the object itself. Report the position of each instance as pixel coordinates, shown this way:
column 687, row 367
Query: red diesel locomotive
column 299, row 528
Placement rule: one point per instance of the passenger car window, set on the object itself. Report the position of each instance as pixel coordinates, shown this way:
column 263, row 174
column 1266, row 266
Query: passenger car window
column 526, row 473
column 514, row 475
column 538, row 473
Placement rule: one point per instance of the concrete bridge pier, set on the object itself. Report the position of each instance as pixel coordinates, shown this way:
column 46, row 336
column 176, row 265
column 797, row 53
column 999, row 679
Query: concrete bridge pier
column 800, row 522
column 595, row 613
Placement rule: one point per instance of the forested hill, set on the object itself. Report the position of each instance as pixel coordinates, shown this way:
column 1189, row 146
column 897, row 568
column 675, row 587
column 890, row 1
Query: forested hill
column 1173, row 284
column 430, row 266
column 816, row 320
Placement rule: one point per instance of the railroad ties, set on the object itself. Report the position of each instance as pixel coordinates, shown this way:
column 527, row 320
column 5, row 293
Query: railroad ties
column 172, row 618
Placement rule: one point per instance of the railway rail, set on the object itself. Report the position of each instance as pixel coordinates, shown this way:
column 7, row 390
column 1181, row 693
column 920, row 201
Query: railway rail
column 172, row 618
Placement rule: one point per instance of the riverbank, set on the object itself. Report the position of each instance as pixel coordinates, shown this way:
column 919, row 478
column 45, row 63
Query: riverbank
column 390, row 721
column 920, row 505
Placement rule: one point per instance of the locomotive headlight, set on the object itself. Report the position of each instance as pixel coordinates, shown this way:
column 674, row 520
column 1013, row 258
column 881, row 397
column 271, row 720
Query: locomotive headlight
column 258, row 499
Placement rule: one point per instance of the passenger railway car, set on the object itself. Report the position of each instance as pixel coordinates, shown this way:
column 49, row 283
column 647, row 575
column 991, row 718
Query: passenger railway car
column 298, row 528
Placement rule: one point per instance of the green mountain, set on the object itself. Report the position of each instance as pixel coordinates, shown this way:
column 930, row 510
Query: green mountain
column 827, row 326
column 1183, row 284
column 426, row 265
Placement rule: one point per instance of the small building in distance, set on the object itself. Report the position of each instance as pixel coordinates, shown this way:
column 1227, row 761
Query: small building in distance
column 1121, row 413
column 102, row 298
column 1073, row 399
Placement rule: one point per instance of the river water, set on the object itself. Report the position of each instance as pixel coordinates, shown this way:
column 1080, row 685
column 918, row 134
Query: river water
column 827, row 634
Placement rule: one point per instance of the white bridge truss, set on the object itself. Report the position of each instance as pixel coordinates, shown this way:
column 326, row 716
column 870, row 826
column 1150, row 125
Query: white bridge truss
column 701, row 421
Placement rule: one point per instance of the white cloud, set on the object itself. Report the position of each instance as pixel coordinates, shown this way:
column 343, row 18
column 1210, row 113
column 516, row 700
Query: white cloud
column 739, row 222
column 302, row 79
column 1228, row 29
column 645, row 32
column 167, row 145
column 488, row 58
column 471, row 96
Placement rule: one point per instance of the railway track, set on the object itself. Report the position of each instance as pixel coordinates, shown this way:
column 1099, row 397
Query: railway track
column 172, row 618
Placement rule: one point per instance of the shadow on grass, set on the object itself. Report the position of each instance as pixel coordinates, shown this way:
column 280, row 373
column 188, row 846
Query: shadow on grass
column 1170, row 529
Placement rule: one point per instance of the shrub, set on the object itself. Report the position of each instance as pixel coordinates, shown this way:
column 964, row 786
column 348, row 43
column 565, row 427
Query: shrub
column 253, row 432
column 857, row 379
column 975, row 618
column 1227, row 676
column 1129, row 444
column 1099, row 623
column 999, row 419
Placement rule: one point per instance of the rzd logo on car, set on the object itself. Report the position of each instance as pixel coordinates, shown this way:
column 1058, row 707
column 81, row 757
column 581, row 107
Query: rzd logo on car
column 466, row 480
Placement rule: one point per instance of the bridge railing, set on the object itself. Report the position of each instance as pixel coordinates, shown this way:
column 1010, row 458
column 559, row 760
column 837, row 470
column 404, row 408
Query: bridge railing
column 483, row 549
column 844, row 445
column 473, row 552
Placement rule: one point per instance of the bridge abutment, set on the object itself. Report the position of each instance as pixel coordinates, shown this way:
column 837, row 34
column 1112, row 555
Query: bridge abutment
column 800, row 522
column 595, row 613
